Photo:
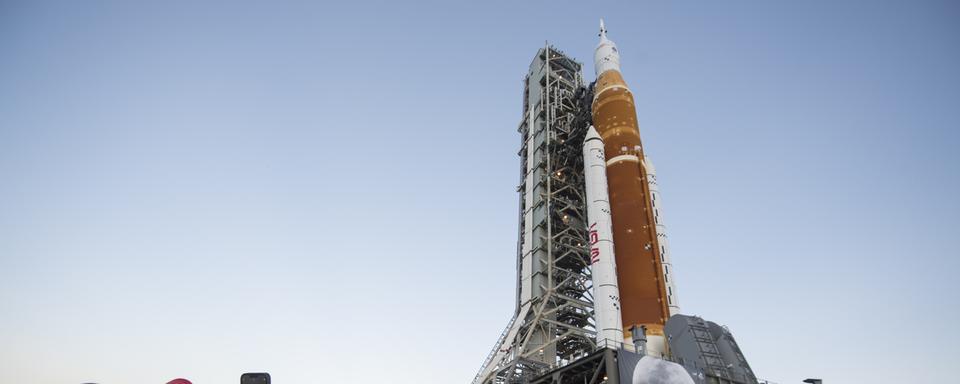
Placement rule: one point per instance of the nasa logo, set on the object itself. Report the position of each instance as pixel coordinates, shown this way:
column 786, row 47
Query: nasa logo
column 594, row 238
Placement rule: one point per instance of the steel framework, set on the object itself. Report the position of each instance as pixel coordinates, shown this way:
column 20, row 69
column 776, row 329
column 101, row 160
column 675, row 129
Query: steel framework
column 552, row 324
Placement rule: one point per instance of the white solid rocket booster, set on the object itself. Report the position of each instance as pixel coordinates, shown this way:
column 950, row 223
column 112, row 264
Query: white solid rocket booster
column 672, row 302
column 606, row 292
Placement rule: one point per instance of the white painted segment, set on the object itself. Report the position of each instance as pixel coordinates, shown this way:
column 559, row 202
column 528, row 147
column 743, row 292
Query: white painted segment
column 603, row 267
column 605, row 57
column 617, row 159
column 668, row 272
column 656, row 346
column 526, row 259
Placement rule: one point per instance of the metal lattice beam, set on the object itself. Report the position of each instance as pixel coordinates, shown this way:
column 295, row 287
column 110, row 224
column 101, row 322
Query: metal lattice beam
column 553, row 321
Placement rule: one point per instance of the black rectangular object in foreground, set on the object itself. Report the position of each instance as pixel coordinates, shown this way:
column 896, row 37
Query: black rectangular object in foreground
column 255, row 378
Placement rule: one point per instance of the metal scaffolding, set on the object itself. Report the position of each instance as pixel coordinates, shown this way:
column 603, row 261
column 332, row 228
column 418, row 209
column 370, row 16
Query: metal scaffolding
column 552, row 324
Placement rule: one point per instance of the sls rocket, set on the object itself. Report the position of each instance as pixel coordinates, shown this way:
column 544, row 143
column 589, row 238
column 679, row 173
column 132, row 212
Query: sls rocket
column 645, row 292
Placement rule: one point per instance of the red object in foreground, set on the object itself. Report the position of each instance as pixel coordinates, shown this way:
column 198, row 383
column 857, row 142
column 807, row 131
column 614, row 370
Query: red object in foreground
column 179, row 381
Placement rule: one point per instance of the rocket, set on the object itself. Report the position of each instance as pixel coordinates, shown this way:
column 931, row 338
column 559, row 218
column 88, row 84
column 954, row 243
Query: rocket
column 603, row 269
column 646, row 298
column 655, row 199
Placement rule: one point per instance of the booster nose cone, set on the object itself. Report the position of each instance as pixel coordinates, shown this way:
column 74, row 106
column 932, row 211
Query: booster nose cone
column 591, row 134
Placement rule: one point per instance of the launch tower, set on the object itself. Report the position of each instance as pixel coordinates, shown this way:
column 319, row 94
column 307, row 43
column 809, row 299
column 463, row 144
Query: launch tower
column 551, row 324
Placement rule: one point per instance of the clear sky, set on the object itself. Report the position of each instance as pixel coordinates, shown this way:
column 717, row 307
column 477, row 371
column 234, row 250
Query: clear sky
column 327, row 192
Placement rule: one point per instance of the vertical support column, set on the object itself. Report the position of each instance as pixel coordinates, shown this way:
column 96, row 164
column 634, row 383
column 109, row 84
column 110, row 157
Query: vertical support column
column 639, row 334
column 611, row 366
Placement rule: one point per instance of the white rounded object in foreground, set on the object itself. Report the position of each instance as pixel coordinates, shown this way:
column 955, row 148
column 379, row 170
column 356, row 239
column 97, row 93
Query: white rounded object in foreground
column 651, row 370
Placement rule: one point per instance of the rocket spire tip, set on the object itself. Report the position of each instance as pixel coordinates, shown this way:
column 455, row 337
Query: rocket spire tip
column 603, row 29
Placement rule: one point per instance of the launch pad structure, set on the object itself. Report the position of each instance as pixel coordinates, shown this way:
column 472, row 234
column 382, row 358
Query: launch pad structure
column 595, row 294
column 552, row 325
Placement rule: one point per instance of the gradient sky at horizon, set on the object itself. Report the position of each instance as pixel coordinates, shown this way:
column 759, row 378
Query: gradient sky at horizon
column 327, row 192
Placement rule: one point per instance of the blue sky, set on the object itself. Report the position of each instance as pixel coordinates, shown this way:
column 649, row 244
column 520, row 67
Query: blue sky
column 328, row 191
